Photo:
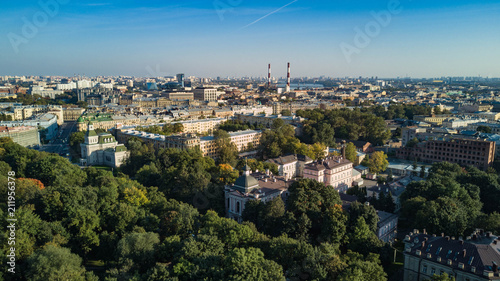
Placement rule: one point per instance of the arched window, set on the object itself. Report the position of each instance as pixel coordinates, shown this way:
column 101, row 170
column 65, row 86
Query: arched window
column 228, row 202
column 238, row 207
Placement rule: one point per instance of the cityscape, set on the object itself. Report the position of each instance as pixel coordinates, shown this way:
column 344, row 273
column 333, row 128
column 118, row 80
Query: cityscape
column 188, row 141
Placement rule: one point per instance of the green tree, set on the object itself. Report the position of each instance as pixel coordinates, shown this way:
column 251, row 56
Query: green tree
column 351, row 152
column 378, row 162
column 443, row 277
column 413, row 142
column 75, row 139
column 138, row 247
column 54, row 263
column 227, row 152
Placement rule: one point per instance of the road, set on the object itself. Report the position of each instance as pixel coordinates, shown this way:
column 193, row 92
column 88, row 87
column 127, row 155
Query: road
column 60, row 144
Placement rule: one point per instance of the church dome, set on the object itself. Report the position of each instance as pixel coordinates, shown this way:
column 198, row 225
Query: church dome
column 246, row 182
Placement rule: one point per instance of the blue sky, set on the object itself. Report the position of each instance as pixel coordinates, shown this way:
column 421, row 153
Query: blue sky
column 235, row 38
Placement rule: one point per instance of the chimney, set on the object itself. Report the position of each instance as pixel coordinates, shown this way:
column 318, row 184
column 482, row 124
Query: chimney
column 447, row 238
column 424, row 231
column 343, row 149
column 488, row 234
column 495, row 267
column 269, row 76
column 288, row 79
column 464, row 253
column 442, row 234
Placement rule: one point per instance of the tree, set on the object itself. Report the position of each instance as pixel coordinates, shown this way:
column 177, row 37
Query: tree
column 286, row 112
column 54, row 263
column 413, row 142
column 443, row 277
column 362, row 268
column 484, row 129
column 250, row 264
column 75, row 139
column 318, row 151
column 422, row 171
column 366, row 211
column 378, row 162
column 138, row 247
column 351, row 152
column 227, row 152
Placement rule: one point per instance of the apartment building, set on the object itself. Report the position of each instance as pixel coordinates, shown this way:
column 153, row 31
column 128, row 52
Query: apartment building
column 461, row 122
column 242, row 140
column 409, row 133
column 201, row 126
column 25, row 136
column 72, row 113
column 334, row 170
column 475, row 258
column 495, row 127
column 433, row 119
column 291, row 166
column 206, row 94
column 478, row 153
column 267, row 120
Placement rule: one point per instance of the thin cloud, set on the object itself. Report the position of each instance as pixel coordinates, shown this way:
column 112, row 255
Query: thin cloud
column 269, row 14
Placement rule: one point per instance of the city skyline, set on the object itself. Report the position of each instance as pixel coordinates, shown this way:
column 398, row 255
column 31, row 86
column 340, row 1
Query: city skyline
column 239, row 38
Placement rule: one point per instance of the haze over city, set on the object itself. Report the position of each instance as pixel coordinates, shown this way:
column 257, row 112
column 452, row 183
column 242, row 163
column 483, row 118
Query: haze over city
column 239, row 38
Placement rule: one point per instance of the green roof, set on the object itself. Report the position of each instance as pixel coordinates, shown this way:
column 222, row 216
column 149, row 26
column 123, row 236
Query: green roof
column 91, row 133
column 121, row 148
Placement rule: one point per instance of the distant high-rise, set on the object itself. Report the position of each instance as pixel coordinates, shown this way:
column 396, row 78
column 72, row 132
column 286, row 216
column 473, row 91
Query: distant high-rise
column 180, row 79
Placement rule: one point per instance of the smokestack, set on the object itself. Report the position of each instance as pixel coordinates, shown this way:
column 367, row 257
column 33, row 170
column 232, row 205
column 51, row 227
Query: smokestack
column 343, row 149
column 288, row 78
column 269, row 76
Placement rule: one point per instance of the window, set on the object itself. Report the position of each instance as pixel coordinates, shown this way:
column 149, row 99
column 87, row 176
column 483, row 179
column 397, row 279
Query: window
column 237, row 207
column 433, row 271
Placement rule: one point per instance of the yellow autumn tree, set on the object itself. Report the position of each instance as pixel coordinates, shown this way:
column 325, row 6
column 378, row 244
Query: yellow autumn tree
column 135, row 196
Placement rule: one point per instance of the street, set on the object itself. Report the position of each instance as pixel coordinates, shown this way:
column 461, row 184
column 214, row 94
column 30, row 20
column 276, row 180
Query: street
column 60, row 144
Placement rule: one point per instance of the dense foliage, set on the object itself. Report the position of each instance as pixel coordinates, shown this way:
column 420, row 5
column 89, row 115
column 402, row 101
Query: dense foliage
column 89, row 224
column 324, row 125
column 166, row 130
column 453, row 200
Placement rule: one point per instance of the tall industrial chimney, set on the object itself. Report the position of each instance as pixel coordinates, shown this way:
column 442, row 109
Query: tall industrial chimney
column 269, row 76
column 288, row 79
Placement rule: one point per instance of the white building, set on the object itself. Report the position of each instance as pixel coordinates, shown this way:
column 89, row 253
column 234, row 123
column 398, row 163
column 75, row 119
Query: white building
column 102, row 149
column 253, row 186
column 207, row 94
column 291, row 166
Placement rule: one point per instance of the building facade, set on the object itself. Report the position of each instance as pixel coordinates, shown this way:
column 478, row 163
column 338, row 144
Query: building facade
column 252, row 186
column 474, row 259
column 25, row 136
column 102, row 149
column 334, row 170
column 478, row 153
column 291, row 166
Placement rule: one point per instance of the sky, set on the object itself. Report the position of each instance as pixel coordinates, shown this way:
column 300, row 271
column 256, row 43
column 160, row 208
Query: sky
column 236, row 38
